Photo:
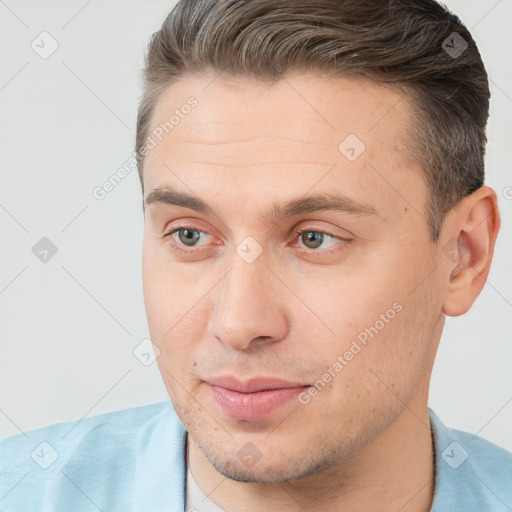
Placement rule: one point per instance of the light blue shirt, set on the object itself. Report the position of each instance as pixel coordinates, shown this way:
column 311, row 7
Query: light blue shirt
column 134, row 460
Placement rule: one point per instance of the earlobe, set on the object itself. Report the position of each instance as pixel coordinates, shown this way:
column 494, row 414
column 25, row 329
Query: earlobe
column 461, row 291
column 468, row 253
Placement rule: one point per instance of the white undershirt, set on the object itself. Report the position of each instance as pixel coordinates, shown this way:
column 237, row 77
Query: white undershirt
column 195, row 499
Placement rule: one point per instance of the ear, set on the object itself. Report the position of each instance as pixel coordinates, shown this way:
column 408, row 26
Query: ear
column 467, row 249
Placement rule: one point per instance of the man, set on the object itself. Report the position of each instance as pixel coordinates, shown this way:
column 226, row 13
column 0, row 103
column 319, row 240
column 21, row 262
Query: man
column 314, row 205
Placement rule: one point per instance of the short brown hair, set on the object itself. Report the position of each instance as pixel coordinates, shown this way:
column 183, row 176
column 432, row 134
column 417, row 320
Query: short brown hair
column 417, row 46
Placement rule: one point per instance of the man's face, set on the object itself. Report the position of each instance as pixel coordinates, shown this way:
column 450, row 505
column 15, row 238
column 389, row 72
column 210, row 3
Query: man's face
column 348, row 313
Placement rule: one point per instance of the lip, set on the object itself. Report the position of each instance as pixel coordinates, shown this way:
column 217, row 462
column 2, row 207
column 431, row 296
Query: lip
column 253, row 399
column 253, row 385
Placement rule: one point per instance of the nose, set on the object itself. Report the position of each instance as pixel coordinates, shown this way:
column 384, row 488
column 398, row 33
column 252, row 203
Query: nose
column 249, row 308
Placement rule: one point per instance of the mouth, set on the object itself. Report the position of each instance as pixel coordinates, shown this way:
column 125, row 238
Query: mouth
column 255, row 399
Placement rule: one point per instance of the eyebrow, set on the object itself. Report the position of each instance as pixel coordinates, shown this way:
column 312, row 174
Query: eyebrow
column 164, row 195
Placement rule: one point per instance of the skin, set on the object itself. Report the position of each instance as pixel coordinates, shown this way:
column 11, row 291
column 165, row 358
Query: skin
column 364, row 441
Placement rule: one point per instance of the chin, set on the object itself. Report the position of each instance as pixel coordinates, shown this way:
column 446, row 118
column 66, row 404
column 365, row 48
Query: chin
column 268, row 475
column 279, row 467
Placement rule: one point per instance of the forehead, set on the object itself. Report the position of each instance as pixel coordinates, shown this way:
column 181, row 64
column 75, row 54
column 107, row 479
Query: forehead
column 306, row 107
column 283, row 138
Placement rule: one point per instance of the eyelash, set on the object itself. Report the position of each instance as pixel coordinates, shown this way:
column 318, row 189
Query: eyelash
column 296, row 233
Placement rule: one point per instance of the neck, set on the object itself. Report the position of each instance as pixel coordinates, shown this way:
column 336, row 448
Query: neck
column 394, row 471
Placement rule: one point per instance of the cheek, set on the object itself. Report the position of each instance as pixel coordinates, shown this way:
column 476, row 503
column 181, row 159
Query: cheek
column 349, row 306
column 176, row 314
column 163, row 290
column 361, row 384
column 381, row 325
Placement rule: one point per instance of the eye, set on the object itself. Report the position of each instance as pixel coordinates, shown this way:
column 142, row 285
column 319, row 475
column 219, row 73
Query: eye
column 184, row 236
column 313, row 239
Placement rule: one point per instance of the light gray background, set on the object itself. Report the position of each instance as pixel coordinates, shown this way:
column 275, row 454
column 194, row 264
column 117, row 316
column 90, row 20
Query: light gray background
column 69, row 326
